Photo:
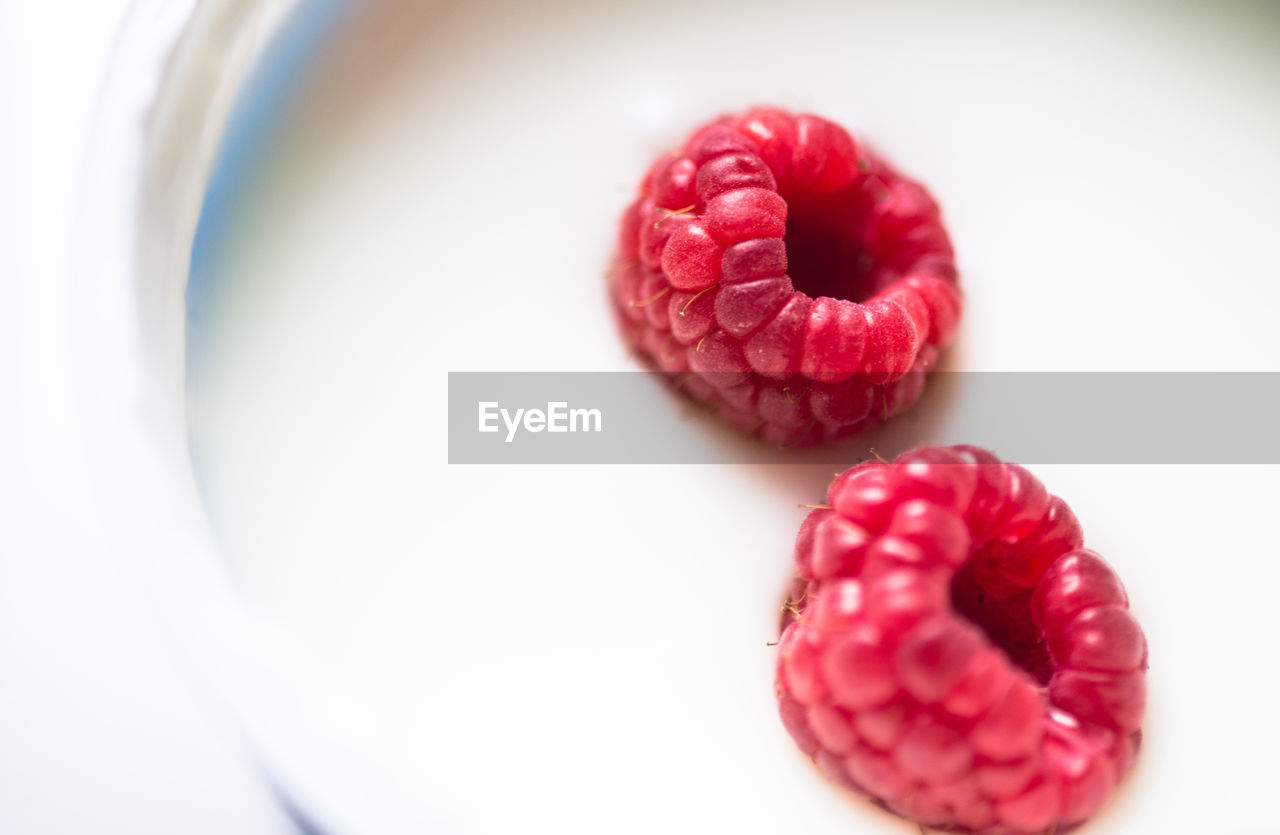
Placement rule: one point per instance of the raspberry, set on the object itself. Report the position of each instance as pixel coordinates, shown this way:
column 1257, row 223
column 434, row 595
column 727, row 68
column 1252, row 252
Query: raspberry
column 774, row 257
column 952, row 651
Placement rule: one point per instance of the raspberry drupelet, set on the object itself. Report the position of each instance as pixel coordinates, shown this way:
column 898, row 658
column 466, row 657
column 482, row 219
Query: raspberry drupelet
column 954, row 652
column 801, row 283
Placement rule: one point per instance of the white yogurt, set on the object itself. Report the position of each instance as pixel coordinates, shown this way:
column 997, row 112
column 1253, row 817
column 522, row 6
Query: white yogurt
column 517, row 648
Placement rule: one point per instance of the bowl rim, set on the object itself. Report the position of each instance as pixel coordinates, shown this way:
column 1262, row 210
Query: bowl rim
column 176, row 72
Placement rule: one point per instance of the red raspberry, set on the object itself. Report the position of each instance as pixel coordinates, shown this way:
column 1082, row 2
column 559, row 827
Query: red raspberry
column 953, row 651
column 807, row 283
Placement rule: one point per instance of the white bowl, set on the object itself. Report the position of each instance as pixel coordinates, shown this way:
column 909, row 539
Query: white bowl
column 1115, row 233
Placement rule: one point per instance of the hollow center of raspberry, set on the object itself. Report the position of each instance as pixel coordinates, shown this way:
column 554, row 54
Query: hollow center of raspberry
column 826, row 255
column 1003, row 611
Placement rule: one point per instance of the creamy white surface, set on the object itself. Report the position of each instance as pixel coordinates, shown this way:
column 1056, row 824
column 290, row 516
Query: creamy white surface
column 517, row 648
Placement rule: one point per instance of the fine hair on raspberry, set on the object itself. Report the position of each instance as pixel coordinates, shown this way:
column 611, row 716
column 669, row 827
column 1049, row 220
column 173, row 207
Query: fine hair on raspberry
column 786, row 276
column 953, row 651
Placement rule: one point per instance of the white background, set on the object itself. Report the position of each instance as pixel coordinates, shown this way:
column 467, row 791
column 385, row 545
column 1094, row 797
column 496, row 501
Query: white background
column 97, row 732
